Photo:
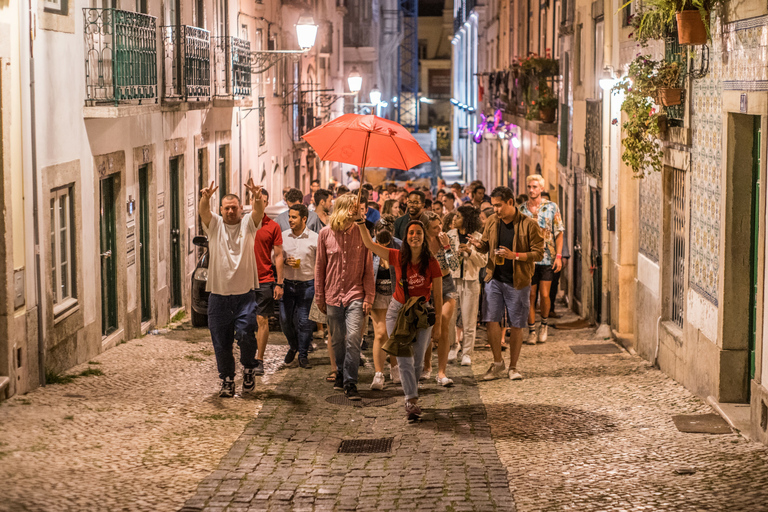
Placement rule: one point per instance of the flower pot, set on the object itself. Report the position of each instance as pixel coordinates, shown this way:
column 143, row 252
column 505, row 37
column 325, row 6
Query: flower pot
column 669, row 97
column 690, row 28
column 547, row 115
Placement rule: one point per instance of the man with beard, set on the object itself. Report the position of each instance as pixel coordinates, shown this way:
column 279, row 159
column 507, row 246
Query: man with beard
column 323, row 205
column 416, row 200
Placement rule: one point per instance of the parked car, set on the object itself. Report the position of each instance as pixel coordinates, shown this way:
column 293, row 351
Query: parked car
column 199, row 280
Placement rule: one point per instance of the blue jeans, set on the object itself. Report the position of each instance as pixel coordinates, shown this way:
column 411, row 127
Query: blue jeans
column 346, row 325
column 233, row 317
column 294, row 313
column 410, row 367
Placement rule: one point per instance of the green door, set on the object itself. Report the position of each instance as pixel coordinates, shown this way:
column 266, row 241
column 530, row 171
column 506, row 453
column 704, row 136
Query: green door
column 144, row 200
column 753, row 313
column 108, row 257
column 176, row 269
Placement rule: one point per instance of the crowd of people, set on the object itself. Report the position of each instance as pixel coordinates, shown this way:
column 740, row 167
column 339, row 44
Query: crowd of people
column 424, row 266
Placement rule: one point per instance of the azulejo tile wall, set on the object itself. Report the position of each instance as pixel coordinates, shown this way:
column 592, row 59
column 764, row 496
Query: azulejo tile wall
column 650, row 216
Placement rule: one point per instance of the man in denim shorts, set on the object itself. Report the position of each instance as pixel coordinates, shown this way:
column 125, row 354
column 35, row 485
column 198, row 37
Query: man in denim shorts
column 514, row 244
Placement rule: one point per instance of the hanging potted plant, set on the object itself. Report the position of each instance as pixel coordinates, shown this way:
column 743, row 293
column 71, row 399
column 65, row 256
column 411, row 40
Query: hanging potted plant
column 547, row 108
column 658, row 18
column 642, row 152
column 667, row 82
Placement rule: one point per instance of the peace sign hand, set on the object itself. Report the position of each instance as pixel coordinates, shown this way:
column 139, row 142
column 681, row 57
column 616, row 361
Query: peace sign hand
column 253, row 189
column 207, row 193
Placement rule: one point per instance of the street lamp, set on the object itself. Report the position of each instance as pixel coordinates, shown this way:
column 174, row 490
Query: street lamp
column 375, row 95
column 355, row 80
column 306, row 32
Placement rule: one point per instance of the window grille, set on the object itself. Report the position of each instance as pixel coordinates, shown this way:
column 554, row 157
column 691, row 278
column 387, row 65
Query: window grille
column 678, row 245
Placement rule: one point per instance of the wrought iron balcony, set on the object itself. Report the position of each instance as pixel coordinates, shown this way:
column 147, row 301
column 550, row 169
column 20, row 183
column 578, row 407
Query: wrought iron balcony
column 232, row 67
column 120, row 56
column 186, row 63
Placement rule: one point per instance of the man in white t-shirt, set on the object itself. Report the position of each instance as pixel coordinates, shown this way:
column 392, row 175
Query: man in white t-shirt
column 232, row 281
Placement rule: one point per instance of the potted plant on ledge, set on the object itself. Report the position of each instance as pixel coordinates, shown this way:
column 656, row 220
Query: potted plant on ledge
column 667, row 83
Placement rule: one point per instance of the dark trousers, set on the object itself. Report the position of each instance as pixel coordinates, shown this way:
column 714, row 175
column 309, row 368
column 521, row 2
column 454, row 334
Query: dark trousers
column 553, row 290
column 233, row 317
column 294, row 314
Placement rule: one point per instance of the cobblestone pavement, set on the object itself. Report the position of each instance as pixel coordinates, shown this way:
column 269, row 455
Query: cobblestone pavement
column 140, row 437
column 288, row 458
column 594, row 432
column 581, row 433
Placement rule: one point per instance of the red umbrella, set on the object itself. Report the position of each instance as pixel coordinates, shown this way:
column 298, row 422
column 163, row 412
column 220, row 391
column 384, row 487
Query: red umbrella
column 367, row 141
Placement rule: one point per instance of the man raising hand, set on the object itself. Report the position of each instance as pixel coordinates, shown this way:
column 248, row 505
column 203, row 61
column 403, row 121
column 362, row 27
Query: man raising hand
column 232, row 281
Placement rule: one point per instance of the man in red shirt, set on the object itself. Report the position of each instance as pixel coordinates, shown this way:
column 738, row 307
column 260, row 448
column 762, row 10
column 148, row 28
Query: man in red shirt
column 269, row 238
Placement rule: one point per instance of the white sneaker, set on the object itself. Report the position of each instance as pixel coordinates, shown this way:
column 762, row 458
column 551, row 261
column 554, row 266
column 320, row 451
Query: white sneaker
column 496, row 371
column 378, row 381
column 394, row 374
column 453, row 354
column 426, row 375
column 531, row 340
column 542, row 334
column 445, row 381
column 515, row 375
column 466, row 360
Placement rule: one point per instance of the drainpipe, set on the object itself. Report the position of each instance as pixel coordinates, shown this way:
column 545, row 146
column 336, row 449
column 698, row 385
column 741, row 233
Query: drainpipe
column 604, row 331
column 27, row 23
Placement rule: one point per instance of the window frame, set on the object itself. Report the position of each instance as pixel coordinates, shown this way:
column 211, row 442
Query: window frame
column 60, row 7
column 63, row 301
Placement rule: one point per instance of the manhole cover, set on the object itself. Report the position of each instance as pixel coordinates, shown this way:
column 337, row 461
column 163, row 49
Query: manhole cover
column 383, row 445
column 701, row 424
column 597, row 348
column 340, row 399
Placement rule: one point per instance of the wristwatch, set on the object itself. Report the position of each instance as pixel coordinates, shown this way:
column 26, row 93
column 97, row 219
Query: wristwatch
column 279, row 284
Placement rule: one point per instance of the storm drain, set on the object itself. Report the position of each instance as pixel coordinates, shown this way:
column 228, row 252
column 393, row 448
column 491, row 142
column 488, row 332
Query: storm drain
column 596, row 348
column 383, row 445
column 381, row 401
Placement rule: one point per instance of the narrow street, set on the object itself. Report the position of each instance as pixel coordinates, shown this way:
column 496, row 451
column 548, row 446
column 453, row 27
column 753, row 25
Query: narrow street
column 582, row 432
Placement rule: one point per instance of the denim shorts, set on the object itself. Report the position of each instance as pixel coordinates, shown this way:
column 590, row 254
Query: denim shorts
column 503, row 296
column 449, row 288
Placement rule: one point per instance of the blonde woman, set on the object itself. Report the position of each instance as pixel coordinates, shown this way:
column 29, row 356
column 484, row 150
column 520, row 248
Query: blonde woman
column 344, row 289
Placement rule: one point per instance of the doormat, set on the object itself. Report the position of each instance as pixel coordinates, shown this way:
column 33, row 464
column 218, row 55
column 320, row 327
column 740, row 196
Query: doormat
column 596, row 348
column 572, row 326
column 701, row 424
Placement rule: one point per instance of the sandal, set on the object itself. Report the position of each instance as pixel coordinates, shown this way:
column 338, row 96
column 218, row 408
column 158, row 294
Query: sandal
column 331, row 377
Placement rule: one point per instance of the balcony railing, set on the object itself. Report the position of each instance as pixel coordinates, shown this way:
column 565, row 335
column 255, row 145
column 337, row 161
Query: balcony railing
column 186, row 63
column 120, row 56
column 232, row 67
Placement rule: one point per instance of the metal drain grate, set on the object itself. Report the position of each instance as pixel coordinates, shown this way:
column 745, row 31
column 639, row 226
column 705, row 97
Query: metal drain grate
column 383, row 445
column 596, row 348
column 340, row 399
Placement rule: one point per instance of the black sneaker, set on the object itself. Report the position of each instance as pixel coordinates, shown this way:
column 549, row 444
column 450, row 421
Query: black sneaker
column 350, row 390
column 227, row 388
column 290, row 356
column 259, row 368
column 304, row 362
column 248, row 381
column 339, row 382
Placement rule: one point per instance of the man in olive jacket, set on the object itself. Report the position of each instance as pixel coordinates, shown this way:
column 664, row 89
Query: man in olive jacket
column 514, row 243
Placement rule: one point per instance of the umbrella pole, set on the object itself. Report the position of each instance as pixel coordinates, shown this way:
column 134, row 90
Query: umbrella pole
column 362, row 169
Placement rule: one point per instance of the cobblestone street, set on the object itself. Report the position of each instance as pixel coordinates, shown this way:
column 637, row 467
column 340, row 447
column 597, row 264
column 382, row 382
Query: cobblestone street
column 581, row 432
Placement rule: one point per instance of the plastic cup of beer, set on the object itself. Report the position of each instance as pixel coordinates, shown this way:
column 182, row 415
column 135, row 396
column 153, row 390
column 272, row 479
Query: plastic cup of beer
column 296, row 262
column 499, row 259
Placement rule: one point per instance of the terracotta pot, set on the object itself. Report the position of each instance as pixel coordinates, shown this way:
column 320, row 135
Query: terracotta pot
column 547, row 115
column 690, row 28
column 670, row 97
